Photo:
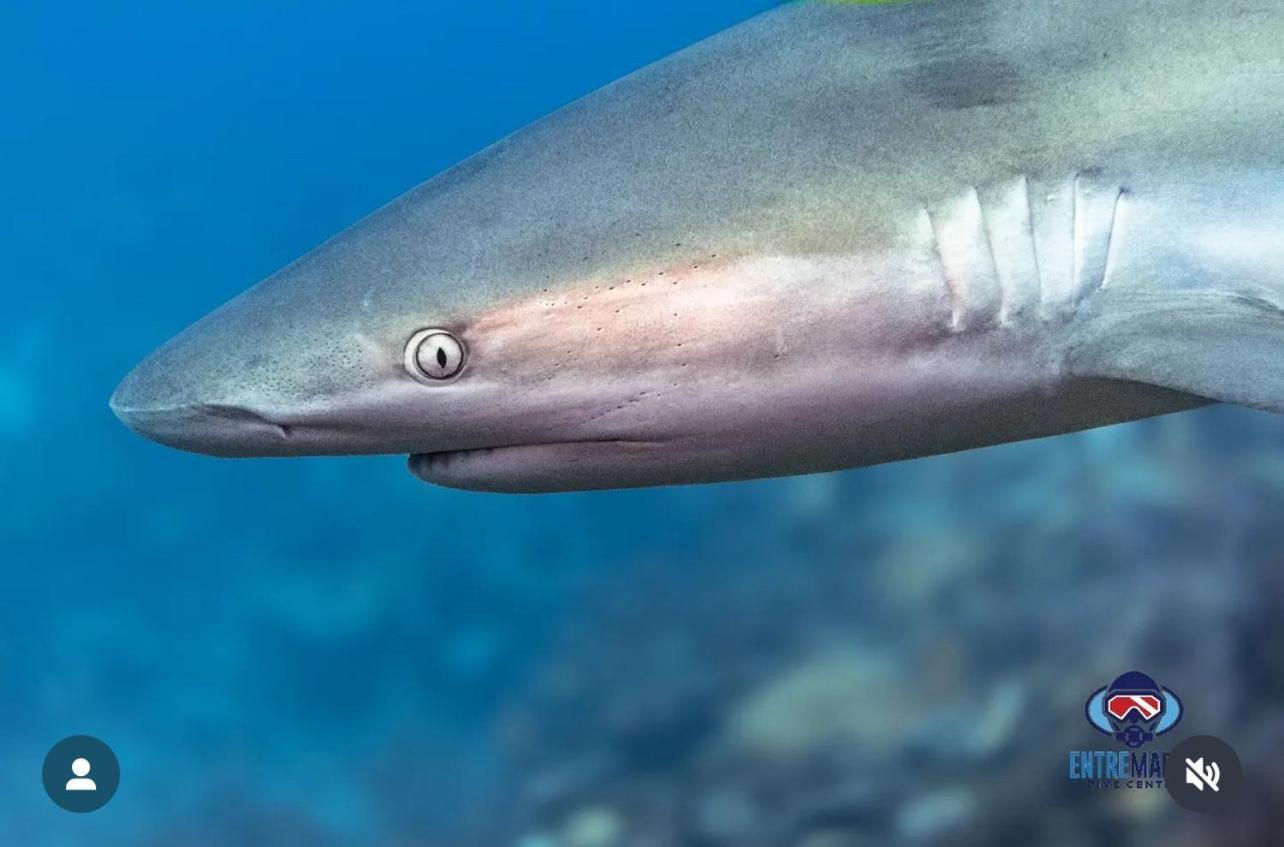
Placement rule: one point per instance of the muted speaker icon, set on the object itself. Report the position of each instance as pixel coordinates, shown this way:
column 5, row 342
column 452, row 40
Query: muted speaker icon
column 1214, row 777
column 1199, row 776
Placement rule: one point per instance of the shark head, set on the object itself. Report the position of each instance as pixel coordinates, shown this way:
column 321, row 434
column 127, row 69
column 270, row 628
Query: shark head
column 596, row 378
column 564, row 310
column 598, row 374
column 506, row 333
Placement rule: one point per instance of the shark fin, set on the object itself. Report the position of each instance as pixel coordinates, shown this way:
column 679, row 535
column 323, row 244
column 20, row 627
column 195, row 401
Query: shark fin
column 1224, row 346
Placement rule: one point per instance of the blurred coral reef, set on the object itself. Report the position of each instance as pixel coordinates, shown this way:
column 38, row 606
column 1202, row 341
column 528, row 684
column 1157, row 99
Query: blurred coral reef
column 901, row 655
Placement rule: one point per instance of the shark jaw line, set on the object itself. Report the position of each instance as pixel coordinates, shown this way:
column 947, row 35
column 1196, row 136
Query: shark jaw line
column 520, row 468
column 570, row 442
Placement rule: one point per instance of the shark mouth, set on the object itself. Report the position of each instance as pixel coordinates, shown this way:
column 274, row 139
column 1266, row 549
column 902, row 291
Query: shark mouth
column 550, row 466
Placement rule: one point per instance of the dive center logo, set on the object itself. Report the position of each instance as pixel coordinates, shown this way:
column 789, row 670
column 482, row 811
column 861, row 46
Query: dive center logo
column 1133, row 709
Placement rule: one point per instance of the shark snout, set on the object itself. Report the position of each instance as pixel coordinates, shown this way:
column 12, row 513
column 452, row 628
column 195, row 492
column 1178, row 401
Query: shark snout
column 242, row 382
column 205, row 428
column 199, row 426
column 213, row 402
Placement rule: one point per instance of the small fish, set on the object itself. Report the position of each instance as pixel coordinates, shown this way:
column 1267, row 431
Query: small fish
column 836, row 235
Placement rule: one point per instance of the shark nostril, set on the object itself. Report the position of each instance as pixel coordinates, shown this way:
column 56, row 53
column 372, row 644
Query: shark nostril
column 244, row 415
column 221, row 410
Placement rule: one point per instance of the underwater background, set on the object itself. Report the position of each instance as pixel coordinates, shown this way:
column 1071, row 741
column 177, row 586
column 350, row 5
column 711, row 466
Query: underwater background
column 328, row 652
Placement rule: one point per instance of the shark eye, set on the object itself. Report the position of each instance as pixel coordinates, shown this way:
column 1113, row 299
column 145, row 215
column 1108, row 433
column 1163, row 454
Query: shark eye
column 434, row 354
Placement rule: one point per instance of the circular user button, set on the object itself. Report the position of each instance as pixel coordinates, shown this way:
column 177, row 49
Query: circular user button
column 81, row 773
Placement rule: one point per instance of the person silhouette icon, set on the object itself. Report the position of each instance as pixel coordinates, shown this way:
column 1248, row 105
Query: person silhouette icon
column 80, row 768
column 83, row 792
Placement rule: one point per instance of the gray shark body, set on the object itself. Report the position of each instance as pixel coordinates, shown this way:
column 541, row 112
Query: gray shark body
column 833, row 236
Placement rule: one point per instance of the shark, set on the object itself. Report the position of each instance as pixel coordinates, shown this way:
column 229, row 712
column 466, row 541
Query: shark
column 835, row 235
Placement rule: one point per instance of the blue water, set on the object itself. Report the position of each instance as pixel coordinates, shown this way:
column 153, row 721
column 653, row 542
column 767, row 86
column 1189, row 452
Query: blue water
column 328, row 652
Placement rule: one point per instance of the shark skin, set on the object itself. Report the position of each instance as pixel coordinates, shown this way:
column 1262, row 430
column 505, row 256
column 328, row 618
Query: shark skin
column 835, row 235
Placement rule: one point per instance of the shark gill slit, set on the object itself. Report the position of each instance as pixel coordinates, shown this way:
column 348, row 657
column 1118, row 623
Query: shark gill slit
column 951, row 287
column 1097, row 216
column 1110, row 238
column 1034, row 242
column 1004, row 295
column 1076, row 239
column 1040, row 257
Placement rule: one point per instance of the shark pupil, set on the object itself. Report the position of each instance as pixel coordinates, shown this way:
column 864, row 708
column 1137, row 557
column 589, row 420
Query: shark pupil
column 441, row 357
